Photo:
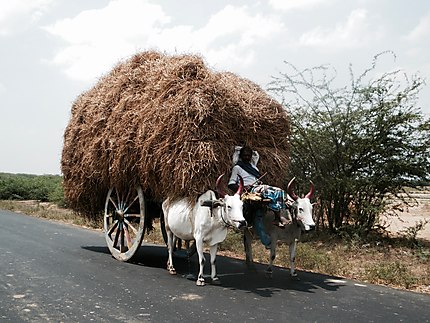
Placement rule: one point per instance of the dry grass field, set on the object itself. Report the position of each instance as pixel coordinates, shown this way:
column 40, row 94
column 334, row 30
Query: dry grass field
column 400, row 258
column 413, row 215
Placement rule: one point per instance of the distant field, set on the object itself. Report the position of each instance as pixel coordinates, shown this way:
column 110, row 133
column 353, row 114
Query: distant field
column 411, row 216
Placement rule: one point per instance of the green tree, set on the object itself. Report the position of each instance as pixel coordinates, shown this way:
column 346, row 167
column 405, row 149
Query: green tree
column 32, row 187
column 360, row 143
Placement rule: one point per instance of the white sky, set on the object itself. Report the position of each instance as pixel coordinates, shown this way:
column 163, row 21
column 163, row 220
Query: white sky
column 53, row 50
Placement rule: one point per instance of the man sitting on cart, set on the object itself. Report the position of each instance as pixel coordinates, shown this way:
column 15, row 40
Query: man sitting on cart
column 245, row 160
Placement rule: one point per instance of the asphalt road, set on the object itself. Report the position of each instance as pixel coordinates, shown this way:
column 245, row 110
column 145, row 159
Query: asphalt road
column 56, row 272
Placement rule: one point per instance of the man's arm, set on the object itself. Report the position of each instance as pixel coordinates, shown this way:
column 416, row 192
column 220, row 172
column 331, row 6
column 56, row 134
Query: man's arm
column 233, row 187
column 232, row 183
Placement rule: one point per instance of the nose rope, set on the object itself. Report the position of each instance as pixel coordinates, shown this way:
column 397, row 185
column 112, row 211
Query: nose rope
column 226, row 224
column 223, row 220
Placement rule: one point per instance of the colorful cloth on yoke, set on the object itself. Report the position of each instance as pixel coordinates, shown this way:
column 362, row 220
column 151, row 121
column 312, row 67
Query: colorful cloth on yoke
column 275, row 194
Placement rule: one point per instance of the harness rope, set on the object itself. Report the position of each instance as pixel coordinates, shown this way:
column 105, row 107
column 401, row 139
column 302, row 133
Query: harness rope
column 222, row 218
column 226, row 224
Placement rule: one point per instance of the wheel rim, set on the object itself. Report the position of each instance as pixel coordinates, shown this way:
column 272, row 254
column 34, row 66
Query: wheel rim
column 124, row 221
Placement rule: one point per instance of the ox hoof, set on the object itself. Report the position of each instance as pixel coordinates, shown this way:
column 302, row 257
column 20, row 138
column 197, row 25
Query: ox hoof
column 171, row 270
column 295, row 276
column 200, row 282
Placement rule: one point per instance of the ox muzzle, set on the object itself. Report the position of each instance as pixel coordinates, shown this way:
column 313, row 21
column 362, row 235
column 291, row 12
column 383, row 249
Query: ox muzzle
column 240, row 224
column 310, row 228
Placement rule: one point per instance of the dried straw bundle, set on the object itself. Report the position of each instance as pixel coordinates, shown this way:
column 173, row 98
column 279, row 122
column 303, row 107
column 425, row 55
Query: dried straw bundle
column 170, row 124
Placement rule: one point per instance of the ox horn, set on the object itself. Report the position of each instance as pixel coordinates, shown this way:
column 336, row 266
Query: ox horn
column 290, row 190
column 311, row 191
column 219, row 189
column 240, row 188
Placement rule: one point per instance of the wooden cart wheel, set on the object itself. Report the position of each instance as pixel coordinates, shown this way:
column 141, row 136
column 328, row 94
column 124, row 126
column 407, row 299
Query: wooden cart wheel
column 124, row 221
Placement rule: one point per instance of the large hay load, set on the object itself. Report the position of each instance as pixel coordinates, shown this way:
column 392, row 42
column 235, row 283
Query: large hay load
column 169, row 124
column 157, row 127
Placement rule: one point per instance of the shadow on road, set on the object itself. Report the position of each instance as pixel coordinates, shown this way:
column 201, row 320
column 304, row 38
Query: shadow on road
column 233, row 273
column 97, row 249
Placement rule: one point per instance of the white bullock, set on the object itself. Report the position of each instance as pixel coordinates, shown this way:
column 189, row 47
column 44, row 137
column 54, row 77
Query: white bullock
column 205, row 222
column 301, row 221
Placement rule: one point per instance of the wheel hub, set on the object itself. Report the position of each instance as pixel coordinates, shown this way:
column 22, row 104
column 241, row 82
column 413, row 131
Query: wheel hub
column 120, row 214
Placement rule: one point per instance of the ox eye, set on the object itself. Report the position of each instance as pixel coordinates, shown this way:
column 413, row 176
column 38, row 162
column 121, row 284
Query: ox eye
column 300, row 210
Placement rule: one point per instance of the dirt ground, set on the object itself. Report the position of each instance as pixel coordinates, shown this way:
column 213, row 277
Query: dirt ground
column 413, row 215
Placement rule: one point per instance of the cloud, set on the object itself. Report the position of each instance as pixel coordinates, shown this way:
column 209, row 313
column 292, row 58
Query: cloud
column 238, row 22
column 421, row 32
column 127, row 19
column 97, row 39
column 417, row 47
column 18, row 14
column 354, row 33
column 228, row 39
column 286, row 5
column 236, row 35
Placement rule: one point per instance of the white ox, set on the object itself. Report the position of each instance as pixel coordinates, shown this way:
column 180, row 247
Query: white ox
column 205, row 222
column 302, row 221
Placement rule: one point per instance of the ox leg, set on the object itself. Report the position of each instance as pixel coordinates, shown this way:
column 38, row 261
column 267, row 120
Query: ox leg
column 191, row 249
column 200, row 279
column 215, row 279
column 247, row 243
column 170, row 246
column 293, row 249
column 190, row 252
column 269, row 270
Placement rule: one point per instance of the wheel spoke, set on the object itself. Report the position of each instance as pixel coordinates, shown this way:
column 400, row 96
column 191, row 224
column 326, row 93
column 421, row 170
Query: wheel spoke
column 126, row 200
column 121, row 240
column 114, row 204
column 127, row 236
column 124, row 231
column 115, row 241
column 114, row 226
column 131, row 217
column 129, row 225
column 137, row 196
column 118, row 199
column 121, row 202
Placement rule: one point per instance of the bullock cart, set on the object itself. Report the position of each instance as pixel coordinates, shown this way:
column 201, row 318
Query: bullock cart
column 157, row 127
